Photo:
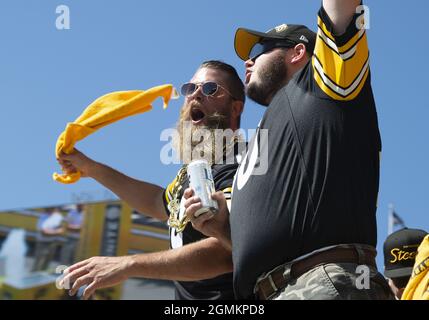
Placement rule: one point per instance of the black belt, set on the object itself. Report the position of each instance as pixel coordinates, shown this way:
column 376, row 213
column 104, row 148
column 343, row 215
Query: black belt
column 275, row 280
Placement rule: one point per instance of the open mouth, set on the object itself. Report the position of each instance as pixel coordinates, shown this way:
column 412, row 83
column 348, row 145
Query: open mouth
column 197, row 115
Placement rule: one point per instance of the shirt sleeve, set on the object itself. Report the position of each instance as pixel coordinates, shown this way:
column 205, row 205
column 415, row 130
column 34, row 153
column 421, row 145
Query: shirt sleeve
column 41, row 221
column 167, row 196
column 341, row 63
column 74, row 217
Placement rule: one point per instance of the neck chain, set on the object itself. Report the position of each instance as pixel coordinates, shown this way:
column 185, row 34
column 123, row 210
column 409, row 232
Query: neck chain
column 174, row 205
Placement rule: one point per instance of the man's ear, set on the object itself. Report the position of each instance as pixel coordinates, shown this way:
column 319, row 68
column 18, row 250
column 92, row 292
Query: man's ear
column 299, row 53
column 237, row 109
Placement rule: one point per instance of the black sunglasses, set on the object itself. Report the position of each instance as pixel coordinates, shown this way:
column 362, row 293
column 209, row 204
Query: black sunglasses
column 263, row 47
column 208, row 88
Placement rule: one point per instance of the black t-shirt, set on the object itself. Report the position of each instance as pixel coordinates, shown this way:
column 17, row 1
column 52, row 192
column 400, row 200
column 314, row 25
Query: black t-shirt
column 314, row 181
column 211, row 289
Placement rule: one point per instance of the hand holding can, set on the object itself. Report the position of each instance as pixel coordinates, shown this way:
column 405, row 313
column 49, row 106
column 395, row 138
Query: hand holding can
column 201, row 181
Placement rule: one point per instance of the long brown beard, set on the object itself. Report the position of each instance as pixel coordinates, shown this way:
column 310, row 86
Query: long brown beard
column 186, row 130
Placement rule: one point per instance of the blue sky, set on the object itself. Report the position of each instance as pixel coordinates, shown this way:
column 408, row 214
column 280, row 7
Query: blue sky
column 48, row 77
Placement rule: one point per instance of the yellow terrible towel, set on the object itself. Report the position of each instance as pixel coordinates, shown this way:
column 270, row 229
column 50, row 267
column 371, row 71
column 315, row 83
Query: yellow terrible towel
column 418, row 285
column 104, row 111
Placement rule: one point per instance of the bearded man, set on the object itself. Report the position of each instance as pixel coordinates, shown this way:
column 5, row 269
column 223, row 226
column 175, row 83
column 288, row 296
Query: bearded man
column 310, row 218
column 214, row 100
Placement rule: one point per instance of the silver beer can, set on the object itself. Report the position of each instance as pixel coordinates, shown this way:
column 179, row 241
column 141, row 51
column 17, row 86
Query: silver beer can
column 201, row 181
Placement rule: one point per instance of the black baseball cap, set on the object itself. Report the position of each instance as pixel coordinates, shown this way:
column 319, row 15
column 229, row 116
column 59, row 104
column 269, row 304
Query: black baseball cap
column 245, row 39
column 400, row 250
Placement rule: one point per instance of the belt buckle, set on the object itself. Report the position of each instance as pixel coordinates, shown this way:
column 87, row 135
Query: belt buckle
column 268, row 277
column 257, row 289
column 258, row 280
column 273, row 286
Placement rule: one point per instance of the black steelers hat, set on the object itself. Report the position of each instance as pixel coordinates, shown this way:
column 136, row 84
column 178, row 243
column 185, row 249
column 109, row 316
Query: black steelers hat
column 400, row 250
column 245, row 39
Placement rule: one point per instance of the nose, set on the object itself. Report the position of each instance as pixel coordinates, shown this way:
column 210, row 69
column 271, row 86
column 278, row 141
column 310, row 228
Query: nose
column 249, row 63
column 197, row 94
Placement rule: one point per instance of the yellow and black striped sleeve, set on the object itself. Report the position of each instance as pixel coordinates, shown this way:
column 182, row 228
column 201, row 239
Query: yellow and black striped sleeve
column 340, row 63
column 227, row 192
column 168, row 195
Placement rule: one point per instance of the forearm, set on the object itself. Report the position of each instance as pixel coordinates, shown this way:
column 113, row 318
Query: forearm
column 73, row 227
column 50, row 232
column 200, row 260
column 224, row 237
column 340, row 13
column 142, row 196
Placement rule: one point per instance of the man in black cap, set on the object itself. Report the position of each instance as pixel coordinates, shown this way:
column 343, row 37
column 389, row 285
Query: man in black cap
column 400, row 250
column 303, row 216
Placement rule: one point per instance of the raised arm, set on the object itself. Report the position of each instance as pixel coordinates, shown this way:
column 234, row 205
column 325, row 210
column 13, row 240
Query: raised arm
column 142, row 196
column 340, row 13
column 341, row 54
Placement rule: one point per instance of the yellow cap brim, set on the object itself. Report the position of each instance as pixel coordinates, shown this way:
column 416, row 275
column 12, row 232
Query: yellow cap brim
column 244, row 41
